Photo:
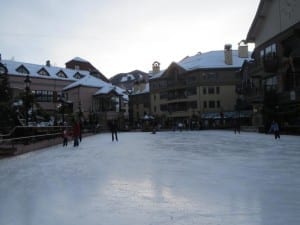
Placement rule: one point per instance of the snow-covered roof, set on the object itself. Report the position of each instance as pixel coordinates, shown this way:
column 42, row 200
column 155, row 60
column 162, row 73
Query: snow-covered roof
column 91, row 81
column 156, row 75
column 88, row 81
column 108, row 88
column 212, row 59
column 141, row 89
column 127, row 77
column 53, row 72
column 208, row 60
column 78, row 59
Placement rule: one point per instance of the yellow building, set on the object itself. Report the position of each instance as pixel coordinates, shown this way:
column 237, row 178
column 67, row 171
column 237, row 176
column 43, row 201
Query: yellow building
column 197, row 88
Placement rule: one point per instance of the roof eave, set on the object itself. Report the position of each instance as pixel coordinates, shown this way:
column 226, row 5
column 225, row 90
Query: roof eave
column 259, row 17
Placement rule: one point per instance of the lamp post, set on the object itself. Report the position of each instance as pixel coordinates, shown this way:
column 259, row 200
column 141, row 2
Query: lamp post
column 27, row 82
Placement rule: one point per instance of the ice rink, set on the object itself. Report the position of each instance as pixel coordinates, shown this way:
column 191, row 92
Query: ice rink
column 167, row 178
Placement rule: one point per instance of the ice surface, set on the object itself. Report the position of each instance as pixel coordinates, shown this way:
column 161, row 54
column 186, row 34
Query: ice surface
column 173, row 178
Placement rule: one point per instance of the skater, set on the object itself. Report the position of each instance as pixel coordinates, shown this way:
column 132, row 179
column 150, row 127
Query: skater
column 114, row 130
column 180, row 126
column 76, row 133
column 65, row 137
column 80, row 131
column 275, row 129
column 236, row 126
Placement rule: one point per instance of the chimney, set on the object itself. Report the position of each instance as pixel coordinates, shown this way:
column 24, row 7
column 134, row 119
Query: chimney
column 155, row 67
column 243, row 49
column 228, row 54
column 48, row 63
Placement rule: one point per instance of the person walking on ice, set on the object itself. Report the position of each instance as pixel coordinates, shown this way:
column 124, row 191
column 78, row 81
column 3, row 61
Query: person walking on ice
column 65, row 137
column 275, row 129
column 114, row 130
column 76, row 133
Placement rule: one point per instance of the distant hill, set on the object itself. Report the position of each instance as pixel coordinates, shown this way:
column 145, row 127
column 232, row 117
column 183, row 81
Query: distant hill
column 126, row 80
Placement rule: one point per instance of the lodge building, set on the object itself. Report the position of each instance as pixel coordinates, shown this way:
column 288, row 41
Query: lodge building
column 199, row 88
column 79, row 89
column 271, row 81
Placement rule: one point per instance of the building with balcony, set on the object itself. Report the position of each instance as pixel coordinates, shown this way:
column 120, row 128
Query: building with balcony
column 95, row 98
column 272, row 79
column 80, row 88
column 198, row 88
column 139, row 101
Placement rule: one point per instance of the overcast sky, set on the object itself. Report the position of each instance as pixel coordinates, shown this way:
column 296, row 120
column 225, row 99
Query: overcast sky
column 119, row 36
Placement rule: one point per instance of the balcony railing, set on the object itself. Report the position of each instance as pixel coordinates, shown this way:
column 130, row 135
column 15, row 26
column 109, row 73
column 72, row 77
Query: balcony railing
column 254, row 94
column 256, row 71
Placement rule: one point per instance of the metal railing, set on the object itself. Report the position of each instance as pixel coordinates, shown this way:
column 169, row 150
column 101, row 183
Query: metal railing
column 21, row 137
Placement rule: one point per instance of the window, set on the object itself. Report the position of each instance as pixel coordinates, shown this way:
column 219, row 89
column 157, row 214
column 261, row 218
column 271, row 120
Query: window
column 193, row 104
column 268, row 52
column 191, row 80
column 217, row 90
column 78, row 75
column 164, row 107
column 271, row 83
column 61, row 74
column 212, row 76
column 211, row 104
column 191, row 91
column 44, row 96
column 204, row 90
column 163, row 83
column 22, row 69
column 155, row 109
column 65, row 95
column 163, row 95
column 43, row 72
column 205, row 104
column 218, row 104
column 262, row 53
column 211, row 90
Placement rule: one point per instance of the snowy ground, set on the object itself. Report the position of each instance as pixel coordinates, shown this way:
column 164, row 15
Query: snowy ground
column 170, row 178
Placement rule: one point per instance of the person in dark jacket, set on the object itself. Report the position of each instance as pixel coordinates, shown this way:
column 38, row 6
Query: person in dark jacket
column 275, row 129
column 114, row 130
column 236, row 126
column 65, row 137
column 76, row 133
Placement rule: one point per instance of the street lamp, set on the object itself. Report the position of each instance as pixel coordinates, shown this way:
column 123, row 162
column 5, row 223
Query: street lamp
column 27, row 82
